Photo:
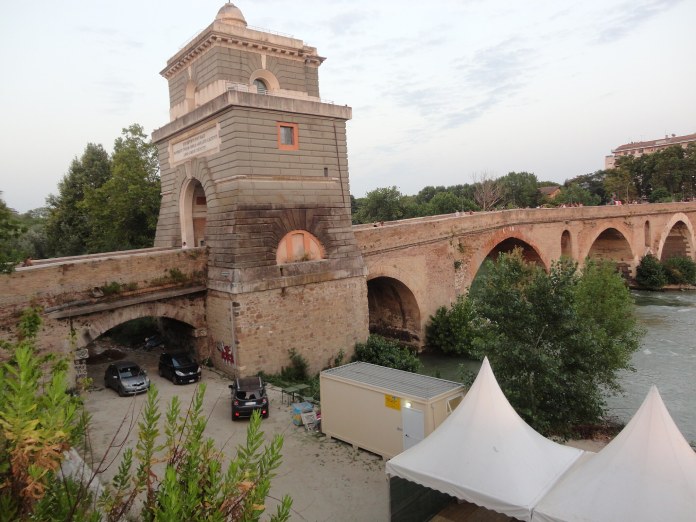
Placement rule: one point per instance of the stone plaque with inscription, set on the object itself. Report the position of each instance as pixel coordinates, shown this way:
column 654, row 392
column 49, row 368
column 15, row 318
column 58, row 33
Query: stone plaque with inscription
column 200, row 144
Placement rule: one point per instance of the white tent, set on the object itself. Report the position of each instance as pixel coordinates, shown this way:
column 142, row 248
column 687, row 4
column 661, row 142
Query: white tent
column 486, row 454
column 647, row 473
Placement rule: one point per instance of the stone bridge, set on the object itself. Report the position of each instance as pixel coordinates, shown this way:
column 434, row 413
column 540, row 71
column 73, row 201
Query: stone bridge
column 412, row 268
column 415, row 266
column 83, row 297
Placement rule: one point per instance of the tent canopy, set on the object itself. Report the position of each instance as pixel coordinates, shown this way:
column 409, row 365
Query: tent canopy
column 647, row 473
column 486, row 454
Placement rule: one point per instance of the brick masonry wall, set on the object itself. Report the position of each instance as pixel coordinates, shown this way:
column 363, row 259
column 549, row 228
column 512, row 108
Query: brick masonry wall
column 54, row 284
column 317, row 320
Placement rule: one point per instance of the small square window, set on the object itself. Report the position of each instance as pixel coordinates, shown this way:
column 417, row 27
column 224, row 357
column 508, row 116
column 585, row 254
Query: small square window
column 288, row 138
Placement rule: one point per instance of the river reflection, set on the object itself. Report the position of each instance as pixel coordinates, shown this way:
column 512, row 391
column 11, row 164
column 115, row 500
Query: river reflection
column 666, row 358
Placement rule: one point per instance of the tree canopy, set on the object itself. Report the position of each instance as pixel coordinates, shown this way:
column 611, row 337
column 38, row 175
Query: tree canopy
column 556, row 340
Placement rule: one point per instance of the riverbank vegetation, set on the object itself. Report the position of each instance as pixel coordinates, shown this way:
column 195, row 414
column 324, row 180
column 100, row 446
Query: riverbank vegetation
column 556, row 340
column 653, row 274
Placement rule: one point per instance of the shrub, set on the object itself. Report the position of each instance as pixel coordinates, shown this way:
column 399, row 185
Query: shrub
column 454, row 330
column 650, row 273
column 297, row 371
column 386, row 352
column 112, row 288
column 680, row 270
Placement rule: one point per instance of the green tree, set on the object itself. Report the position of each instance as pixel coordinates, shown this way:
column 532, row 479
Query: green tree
column 68, row 225
column 592, row 183
column 556, row 340
column 10, row 230
column 386, row 352
column 574, row 193
column 381, row 204
column 520, row 190
column 123, row 211
column 444, row 203
column 455, row 329
column 650, row 274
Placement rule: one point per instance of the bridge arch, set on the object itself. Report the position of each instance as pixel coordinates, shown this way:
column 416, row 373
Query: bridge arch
column 612, row 244
column 193, row 202
column 93, row 326
column 393, row 309
column 495, row 245
column 676, row 239
column 566, row 244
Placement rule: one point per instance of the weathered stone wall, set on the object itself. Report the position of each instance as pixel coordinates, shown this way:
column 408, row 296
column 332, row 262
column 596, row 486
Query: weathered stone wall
column 250, row 172
column 438, row 257
column 317, row 320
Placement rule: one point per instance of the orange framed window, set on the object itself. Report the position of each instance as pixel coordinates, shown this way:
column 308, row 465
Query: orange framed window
column 288, row 136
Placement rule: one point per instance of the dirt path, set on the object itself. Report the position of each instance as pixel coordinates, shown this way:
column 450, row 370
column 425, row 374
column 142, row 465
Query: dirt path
column 327, row 479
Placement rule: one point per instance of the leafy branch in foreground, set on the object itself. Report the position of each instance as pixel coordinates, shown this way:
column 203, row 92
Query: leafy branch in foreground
column 193, row 485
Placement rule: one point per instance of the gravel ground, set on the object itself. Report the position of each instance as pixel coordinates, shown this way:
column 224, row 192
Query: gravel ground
column 327, row 479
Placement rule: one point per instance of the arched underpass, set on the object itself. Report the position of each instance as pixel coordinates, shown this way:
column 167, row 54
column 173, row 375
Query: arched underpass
column 508, row 245
column 172, row 335
column 529, row 254
column 677, row 243
column 393, row 309
column 612, row 245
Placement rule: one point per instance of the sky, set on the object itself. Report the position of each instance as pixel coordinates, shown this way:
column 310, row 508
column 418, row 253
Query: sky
column 443, row 92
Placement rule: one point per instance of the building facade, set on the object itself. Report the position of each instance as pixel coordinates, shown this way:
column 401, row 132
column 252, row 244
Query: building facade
column 639, row 148
column 254, row 167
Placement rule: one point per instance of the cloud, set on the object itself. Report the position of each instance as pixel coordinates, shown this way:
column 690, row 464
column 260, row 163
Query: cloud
column 630, row 15
column 118, row 95
column 491, row 76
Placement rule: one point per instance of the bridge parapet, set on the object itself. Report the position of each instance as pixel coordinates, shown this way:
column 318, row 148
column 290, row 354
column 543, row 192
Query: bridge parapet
column 86, row 280
column 421, row 231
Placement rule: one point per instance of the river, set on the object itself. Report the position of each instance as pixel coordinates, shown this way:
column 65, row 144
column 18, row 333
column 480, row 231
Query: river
column 666, row 358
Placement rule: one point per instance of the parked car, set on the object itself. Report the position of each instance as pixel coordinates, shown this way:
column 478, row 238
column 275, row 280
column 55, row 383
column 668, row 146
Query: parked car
column 152, row 342
column 249, row 394
column 179, row 368
column 127, row 378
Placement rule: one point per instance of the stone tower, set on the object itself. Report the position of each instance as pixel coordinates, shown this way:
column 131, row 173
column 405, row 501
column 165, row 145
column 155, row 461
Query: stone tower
column 254, row 168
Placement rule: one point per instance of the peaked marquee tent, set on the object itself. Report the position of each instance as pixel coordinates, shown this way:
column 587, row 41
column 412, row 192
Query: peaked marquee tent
column 647, row 473
column 486, row 454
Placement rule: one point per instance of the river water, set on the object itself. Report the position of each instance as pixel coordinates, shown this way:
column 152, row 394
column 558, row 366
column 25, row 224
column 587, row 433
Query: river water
column 666, row 358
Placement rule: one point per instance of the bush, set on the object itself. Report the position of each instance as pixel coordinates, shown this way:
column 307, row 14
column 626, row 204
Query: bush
column 454, row 330
column 680, row 270
column 650, row 273
column 386, row 352
column 297, row 371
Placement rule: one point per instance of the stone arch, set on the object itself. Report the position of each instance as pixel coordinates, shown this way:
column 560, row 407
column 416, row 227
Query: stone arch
column 94, row 326
column 267, row 77
column 393, row 310
column 492, row 248
column 612, row 244
column 647, row 235
column 566, row 244
column 677, row 238
column 299, row 245
column 193, row 203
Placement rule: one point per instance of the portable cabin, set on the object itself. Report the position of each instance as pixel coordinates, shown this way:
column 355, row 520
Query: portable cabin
column 381, row 409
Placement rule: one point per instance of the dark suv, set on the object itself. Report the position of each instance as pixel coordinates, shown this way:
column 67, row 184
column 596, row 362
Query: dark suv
column 249, row 394
column 179, row 368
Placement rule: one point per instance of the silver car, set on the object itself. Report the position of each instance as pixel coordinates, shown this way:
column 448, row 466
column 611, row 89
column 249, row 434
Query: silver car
column 127, row 378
